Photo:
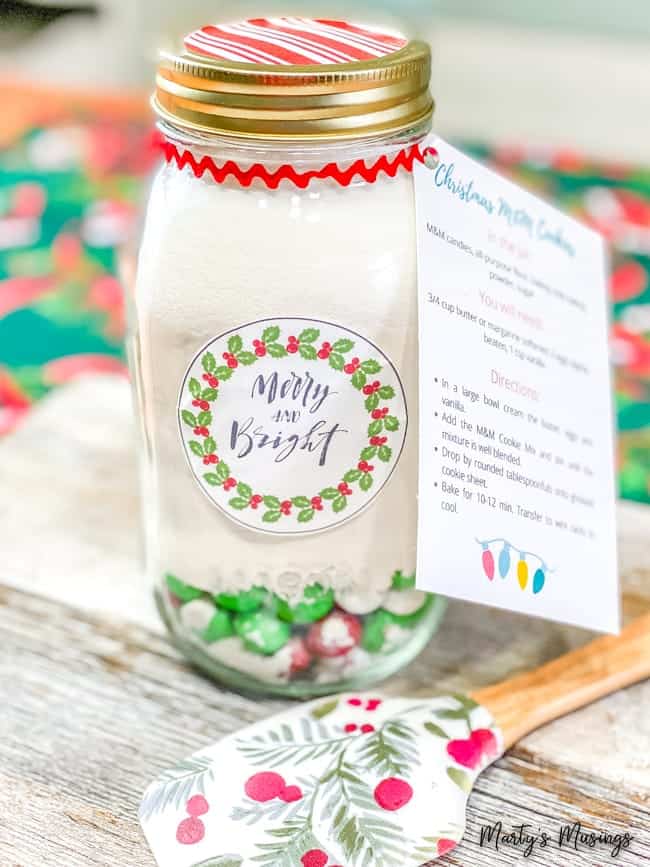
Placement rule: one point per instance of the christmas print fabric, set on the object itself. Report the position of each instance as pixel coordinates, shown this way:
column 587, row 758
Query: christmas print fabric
column 354, row 781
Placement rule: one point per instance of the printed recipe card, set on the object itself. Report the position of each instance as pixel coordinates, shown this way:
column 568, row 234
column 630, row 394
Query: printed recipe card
column 517, row 495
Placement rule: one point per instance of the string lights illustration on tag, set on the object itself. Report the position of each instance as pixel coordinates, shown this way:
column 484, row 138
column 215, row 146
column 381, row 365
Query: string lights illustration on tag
column 510, row 558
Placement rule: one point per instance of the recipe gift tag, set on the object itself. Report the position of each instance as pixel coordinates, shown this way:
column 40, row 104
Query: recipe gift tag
column 516, row 489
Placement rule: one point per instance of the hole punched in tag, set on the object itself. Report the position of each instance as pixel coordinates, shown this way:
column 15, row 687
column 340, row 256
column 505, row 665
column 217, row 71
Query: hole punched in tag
column 431, row 158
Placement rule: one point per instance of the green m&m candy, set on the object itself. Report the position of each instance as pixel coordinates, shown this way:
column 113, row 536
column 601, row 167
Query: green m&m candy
column 374, row 630
column 383, row 630
column 402, row 581
column 244, row 602
column 182, row 591
column 205, row 620
column 316, row 602
column 262, row 632
column 219, row 627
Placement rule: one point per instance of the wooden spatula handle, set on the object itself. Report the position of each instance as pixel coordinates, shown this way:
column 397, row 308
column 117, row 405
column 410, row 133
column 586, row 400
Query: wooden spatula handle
column 526, row 702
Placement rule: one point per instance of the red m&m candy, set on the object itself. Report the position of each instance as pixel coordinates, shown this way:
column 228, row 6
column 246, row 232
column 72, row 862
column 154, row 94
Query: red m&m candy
column 334, row 636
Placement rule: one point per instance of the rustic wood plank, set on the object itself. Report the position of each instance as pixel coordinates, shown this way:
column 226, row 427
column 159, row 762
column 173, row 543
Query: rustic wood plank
column 94, row 709
column 73, row 532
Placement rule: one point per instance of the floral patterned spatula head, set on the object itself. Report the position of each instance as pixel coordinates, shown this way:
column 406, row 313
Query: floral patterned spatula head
column 366, row 780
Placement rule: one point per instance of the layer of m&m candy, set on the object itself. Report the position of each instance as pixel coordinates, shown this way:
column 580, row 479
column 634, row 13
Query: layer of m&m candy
column 318, row 634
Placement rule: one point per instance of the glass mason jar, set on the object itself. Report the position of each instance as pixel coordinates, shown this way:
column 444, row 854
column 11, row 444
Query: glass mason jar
column 274, row 351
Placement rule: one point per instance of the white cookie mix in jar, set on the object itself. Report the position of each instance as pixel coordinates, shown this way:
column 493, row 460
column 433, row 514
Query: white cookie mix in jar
column 274, row 345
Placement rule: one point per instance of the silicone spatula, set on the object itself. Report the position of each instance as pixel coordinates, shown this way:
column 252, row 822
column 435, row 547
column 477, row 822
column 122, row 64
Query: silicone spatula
column 367, row 780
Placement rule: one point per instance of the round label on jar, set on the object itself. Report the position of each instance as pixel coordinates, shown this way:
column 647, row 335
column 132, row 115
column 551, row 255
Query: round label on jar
column 292, row 425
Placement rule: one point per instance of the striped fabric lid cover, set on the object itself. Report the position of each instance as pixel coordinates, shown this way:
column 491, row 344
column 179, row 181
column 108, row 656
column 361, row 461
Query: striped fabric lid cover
column 293, row 42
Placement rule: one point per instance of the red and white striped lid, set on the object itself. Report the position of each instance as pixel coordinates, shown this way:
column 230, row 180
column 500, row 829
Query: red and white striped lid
column 293, row 42
column 295, row 78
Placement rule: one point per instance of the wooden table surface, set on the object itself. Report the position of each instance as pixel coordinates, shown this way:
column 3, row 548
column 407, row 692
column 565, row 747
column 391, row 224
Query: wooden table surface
column 96, row 702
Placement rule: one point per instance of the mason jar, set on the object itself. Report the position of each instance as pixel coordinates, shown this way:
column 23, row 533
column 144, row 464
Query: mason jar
column 274, row 353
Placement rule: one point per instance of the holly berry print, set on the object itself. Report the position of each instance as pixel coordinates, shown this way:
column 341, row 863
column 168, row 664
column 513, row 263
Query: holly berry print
column 192, row 829
column 350, row 781
column 286, row 399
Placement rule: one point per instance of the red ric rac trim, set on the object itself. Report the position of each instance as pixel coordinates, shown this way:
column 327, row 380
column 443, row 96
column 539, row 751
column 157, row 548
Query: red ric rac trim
column 405, row 159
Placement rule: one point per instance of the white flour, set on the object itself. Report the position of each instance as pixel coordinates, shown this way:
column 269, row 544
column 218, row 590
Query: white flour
column 214, row 257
